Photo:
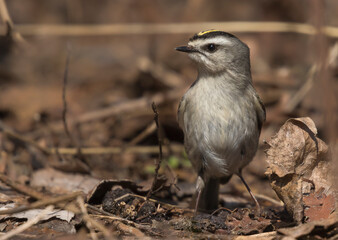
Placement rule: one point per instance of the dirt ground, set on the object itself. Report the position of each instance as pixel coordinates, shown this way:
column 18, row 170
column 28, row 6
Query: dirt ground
column 79, row 147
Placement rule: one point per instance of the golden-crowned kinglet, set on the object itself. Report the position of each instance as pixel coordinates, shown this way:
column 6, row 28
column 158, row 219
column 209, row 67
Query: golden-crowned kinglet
column 221, row 114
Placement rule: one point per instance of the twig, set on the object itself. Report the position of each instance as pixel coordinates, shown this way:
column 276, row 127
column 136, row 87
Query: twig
column 42, row 203
column 22, row 235
column 262, row 236
column 168, row 28
column 128, row 106
column 37, row 195
column 90, row 223
column 93, row 208
column 145, row 133
column 159, row 71
column 64, row 100
column 6, row 130
column 64, row 111
column 221, row 209
column 5, row 17
column 131, row 223
column 144, row 198
column 176, row 148
column 158, row 165
column 129, row 229
column 105, row 214
column 301, row 93
column 325, row 80
column 269, row 199
column 28, row 224
column 21, row 188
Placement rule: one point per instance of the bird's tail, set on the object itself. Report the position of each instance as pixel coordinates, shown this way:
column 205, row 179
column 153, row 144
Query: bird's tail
column 209, row 197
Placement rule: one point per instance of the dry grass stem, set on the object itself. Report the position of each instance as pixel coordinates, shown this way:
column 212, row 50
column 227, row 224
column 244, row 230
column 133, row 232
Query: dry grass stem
column 160, row 143
column 90, row 223
column 174, row 148
column 9, row 27
column 42, row 203
column 167, row 28
column 28, row 224
column 145, row 133
column 21, row 188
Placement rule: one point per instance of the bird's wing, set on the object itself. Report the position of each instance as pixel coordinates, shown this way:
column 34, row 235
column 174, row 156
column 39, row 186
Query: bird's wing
column 260, row 111
column 180, row 113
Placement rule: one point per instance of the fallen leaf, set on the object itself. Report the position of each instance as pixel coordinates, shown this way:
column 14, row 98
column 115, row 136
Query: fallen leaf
column 326, row 228
column 29, row 214
column 60, row 182
column 299, row 164
column 318, row 206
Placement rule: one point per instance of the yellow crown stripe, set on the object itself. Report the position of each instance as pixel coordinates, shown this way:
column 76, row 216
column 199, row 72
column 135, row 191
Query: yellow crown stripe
column 205, row 32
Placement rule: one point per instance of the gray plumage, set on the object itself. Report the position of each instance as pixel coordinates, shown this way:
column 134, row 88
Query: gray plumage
column 221, row 114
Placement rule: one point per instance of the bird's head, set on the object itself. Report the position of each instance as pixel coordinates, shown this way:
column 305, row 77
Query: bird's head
column 217, row 51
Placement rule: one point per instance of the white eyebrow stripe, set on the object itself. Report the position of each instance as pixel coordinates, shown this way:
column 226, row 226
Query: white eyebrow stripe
column 219, row 40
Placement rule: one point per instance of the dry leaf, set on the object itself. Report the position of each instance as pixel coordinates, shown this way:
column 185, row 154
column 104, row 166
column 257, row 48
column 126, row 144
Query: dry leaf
column 29, row 214
column 325, row 229
column 299, row 165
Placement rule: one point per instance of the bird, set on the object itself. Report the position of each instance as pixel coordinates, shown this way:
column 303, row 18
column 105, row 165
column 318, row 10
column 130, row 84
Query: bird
column 221, row 114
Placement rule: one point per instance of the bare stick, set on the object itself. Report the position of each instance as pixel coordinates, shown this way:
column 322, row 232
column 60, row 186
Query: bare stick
column 301, row 93
column 64, row 87
column 176, row 148
column 91, row 223
column 145, row 133
column 105, row 214
column 21, row 188
column 158, row 165
column 42, row 203
column 131, row 223
column 5, row 17
column 6, row 130
column 28, row 224
column 129, row 230
column 64, row 111
column 168, row 28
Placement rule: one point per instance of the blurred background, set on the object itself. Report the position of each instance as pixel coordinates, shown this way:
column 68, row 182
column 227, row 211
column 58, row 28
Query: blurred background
column 121, row 58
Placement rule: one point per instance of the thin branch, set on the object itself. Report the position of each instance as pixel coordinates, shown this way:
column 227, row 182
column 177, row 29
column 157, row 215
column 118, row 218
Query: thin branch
column 64, row 100
column 5, row 17
column 21, row 188
column 42, row 203
column 168, row 28
column 175, row 148
column 145, row 199
column 110, row 216
column 91, row 223
column 64, row 111
column 296, row 99
column 145, row 228
column 158, row 165
column 145, row 133
column 6, row 130
column 27, row 224
column 129, row 106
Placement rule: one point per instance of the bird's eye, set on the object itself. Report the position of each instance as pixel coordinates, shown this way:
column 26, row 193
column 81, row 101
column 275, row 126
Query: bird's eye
column 211, row 47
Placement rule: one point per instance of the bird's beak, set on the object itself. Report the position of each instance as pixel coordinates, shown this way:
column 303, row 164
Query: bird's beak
column 187, row 49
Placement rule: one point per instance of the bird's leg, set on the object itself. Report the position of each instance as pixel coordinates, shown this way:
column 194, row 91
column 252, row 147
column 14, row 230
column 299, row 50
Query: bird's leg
column 199, row 188
column 249, row 190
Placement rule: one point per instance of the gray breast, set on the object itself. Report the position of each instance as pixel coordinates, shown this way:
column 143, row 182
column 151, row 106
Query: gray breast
column 219, row 136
